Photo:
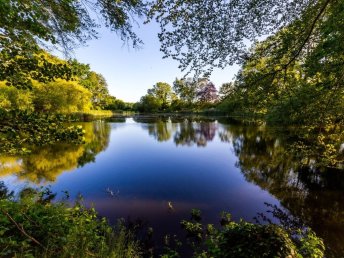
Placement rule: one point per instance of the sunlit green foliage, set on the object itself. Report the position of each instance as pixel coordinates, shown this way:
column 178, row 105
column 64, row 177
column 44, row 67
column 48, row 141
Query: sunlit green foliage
column 33, row 99
column 94, row 82
column 12, row 98
column 163, row 92
column 186, row 90
column 187, row 95
column 296, row 75
column 158, row 98
column 112, row 103
column 25, row 26
column 20, row 68
column 61, row 97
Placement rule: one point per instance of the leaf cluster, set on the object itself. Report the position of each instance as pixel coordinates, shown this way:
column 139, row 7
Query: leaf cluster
column 243, row 239
column 34, row 226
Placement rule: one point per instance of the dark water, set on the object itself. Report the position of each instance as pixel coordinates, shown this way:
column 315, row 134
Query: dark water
column 134, row 167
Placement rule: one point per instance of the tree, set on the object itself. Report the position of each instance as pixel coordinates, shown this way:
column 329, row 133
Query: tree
column 94, row 82
column 204, row 34
column 65, row 23
column 163, row 92
column 19, row 68
column 208, row 93
column 149, row 103
column 186, row 89
column 97, row 85
column 27, row 26
column 61, row 97
column 226, row 90
column 112, row 103
column 12, row 98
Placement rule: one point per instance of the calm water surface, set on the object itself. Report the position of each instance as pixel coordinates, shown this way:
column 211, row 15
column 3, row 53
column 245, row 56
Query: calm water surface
column 133, row 167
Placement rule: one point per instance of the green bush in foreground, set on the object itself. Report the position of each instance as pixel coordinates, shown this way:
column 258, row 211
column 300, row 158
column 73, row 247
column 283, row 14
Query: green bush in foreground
column 243, row 239
column 33, row 226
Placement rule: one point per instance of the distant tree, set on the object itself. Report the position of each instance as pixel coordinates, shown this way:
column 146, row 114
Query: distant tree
column 163, row 92
column 208, row 93
column 98, row 86
column 94, row 82
column 112, row 103
column 186, row 89
column 149, row 103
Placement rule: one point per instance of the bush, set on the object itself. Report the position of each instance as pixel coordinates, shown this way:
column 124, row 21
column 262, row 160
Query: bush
column 243, row 239
column 12, row 98
column 61, row 96
column 33, row 226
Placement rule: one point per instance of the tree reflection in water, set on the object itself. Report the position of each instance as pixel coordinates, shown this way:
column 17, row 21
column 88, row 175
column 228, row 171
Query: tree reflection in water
column 186, row 131
column 303, row 173
column 310, row 191
column 45, row 164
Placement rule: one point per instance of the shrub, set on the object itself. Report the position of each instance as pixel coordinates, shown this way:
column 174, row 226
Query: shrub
column 33, row 226
column 12, row 98
column 61, row 96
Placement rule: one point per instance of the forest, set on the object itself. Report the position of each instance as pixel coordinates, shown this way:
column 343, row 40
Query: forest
column 291, row 58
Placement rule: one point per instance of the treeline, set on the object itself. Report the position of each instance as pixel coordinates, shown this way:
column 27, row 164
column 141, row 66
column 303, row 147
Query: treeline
column 186, row 95
column 40, row 92
column 84, row 90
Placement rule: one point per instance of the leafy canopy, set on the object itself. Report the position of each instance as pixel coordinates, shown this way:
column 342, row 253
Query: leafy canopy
column 28, row 26
column 204, row 34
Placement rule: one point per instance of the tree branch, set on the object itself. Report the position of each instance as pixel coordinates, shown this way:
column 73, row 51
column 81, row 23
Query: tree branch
column 322, row 10
column 21, row 229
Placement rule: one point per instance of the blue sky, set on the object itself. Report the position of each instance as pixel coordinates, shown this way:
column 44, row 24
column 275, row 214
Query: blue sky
column 131, row 72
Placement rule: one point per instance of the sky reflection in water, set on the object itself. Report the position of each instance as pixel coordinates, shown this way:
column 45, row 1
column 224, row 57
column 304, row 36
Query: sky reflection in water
column 192, row 163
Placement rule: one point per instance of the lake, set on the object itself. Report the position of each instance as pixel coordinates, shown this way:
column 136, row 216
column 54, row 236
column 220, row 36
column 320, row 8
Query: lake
column 157, row 169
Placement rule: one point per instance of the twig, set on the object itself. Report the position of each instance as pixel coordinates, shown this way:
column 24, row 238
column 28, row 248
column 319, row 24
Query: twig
column 21, row 229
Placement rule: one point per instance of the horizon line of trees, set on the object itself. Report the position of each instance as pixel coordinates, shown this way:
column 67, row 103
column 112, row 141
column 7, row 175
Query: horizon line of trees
column 185, row 95
column 85, row 90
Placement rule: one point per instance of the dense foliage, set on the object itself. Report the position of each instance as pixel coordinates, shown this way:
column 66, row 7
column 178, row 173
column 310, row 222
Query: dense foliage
column 34, row 226
column 185, row 95
column 34, row 113
column 243, row 239
column 305, row 90
column 205, row 34
column 21, row 129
